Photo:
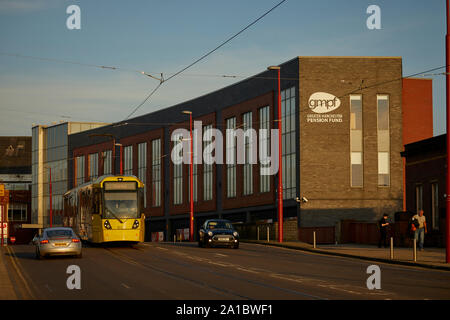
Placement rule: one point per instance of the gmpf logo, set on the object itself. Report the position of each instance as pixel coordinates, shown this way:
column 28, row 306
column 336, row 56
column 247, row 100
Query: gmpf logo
column 322, row 102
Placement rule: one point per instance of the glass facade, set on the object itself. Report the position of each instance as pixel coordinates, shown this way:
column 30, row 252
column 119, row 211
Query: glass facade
column 207, row 168
column 356, row 141
column 156, row 173
column 178, row 176
column 17, row 212
column 289, row 127
column 231, row 155
column 128, row 160
column 80, row 170
column 383, row 140
column 435, row 205
column 264, row 123
column 93, row 166
column 142, row 168
column 247, row 167
column 107, row 162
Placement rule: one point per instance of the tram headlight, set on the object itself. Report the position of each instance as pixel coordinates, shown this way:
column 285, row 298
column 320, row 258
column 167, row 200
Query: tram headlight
column 136, row 224
column 107, row 225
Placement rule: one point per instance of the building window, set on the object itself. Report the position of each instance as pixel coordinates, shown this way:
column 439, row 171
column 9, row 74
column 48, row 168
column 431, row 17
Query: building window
column 17, row 212
column 248, row 167
column 435, row 205
column 156, row 173
column 128, row 160
column 80, row 170
column 356, row 141
column 207, row 168
column 178, row 175
column 419, row 198
column 231, row 159
column 142, row 168
column 383, row 140
column 288, row 132
column 264, row 123
column 107, row 162
column 93, row 166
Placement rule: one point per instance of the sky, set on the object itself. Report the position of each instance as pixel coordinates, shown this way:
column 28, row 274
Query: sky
column 165, row 36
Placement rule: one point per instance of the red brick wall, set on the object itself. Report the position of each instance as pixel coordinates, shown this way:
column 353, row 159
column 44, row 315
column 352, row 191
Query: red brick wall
column 417, row 110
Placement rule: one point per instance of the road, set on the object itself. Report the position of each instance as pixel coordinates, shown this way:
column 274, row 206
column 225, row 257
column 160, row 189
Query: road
column 183, row 271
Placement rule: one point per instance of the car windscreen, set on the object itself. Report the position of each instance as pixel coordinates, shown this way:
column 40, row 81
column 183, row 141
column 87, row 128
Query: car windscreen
column 219, row 225
column 121, row 205
column 59, row 234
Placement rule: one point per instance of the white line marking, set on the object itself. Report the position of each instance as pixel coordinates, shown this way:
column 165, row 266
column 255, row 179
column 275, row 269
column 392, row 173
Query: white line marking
column 125, row 286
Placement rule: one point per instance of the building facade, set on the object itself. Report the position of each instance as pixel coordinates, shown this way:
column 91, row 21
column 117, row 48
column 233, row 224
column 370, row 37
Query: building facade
column 50, row 158
column 341, row 143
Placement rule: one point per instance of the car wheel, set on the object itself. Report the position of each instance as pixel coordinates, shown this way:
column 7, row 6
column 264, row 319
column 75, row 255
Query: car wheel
column 200, row 244
column 79, row 256
column 236, row 246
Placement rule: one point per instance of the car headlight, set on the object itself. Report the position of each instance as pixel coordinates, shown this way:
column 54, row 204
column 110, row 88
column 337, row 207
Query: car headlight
column 107, row 225
column 235, row 234
column 136, row 224
column 210, row 233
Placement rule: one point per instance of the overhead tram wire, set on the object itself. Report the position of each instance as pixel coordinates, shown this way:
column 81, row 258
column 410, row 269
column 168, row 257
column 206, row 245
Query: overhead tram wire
column 205, row 55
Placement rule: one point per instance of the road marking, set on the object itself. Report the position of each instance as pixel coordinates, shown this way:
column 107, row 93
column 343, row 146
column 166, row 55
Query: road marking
column 125, row 286
column 160, row 248
column 16, row 267
column 48, row 288
column 221, row 255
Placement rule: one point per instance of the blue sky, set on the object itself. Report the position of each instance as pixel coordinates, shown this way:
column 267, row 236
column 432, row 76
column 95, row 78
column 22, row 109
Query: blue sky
column 165, row 36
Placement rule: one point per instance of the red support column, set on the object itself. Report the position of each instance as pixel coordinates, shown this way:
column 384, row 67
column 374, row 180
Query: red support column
column 280, row 170
column 191, row 174
column 51, row 207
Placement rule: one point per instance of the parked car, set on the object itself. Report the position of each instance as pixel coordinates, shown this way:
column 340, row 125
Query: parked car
column 57, row 241
column 218, row 232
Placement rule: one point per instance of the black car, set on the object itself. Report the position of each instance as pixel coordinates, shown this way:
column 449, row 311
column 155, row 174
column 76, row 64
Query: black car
column 218, row 232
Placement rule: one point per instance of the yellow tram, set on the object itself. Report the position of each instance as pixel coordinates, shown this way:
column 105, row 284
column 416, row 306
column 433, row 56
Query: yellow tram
column 107, row 209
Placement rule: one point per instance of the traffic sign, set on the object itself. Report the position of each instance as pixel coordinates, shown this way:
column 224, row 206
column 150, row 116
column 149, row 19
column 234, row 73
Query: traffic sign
column 12, row 239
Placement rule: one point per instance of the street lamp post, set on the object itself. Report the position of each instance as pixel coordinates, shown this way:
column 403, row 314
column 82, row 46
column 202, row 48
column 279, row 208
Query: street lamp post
column 280, row 170
column 447, row 77
column 191, row 181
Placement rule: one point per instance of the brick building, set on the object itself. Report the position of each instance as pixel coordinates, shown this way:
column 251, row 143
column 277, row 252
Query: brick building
column 342, row 137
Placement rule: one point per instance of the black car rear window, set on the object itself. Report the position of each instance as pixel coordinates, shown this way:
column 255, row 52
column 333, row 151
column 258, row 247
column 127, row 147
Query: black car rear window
column 59, row 233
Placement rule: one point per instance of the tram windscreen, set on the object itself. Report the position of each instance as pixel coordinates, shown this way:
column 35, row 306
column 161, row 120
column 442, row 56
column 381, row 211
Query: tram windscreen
column 121, row 205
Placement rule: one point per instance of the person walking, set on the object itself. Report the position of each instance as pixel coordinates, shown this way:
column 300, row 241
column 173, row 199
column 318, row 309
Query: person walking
column 421, row 230
column 384, row 225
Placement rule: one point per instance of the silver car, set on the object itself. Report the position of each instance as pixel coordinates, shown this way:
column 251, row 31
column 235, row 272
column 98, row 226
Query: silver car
column 57, row 241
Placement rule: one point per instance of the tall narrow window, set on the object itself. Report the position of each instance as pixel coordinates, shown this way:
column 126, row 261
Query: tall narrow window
column 142, row 168
column 178, row 176
column 93, row 166
column 231, row 154
column 419, row 198
column 435, row 205
column 207, row 168
column 288, row 131
column 356, row 141
column 248, row 167
column 156, row 173
column 383, row 140
column 107, row 163
column 80, row 170
column 128, row 160
column 264, row 123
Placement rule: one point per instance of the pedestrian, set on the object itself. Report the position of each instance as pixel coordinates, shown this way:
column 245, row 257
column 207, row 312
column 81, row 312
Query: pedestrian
column 421, row 229
column 383, row 225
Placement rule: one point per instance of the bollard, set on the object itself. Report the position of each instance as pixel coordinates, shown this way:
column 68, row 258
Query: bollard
column 392, row 248
column 268, row 236
column 257, row 233
column 314, row 239
column 415, row 251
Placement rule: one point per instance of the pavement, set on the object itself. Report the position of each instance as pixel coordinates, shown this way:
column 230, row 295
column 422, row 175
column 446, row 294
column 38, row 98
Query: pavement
column 433, row 258
column 7, row 291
